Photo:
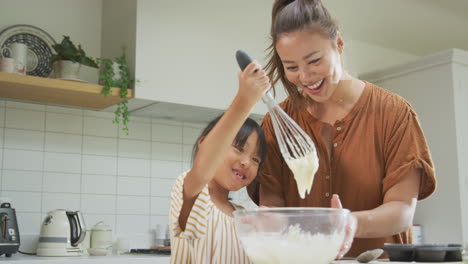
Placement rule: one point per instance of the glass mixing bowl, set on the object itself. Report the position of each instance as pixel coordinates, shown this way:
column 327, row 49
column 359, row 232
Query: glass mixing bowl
column 292, row 234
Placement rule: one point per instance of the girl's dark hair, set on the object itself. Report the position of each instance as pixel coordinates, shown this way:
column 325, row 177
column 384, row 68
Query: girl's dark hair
column 246, row 130
column 289, row 16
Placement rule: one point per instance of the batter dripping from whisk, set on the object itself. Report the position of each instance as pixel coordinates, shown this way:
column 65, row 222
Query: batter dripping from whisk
column 304, row 169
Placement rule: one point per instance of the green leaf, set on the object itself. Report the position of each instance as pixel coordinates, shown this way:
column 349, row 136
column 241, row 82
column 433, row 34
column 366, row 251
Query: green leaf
column 87, row 61
column 106, row 75
column 66, row 50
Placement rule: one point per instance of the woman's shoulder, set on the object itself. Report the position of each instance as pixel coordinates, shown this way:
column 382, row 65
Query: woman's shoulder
column 388, row 101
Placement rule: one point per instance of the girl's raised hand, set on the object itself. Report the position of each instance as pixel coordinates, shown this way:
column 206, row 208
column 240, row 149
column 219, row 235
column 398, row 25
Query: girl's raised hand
column 253, row 83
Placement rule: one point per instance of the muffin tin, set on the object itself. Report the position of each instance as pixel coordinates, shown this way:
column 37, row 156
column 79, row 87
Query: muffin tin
column 424, row 252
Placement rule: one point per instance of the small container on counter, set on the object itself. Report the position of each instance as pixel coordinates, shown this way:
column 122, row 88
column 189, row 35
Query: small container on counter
column 101, row 237
column 161, row 236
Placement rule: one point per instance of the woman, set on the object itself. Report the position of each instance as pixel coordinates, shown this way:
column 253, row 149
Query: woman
column 371, row 149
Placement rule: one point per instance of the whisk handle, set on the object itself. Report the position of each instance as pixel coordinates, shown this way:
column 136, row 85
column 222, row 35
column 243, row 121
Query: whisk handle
column 243, row 59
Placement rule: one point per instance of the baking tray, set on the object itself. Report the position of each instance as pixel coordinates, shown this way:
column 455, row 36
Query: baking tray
column 424, row 252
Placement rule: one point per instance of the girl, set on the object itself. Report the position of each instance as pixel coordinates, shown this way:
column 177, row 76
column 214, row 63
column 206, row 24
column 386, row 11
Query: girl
column 227, row 157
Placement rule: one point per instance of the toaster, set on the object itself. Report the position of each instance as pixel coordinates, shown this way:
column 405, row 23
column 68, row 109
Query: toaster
column 9, row 233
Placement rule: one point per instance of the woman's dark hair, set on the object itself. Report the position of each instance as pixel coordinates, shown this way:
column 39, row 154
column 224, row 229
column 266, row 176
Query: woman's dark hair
column 289, row 16
column 246, row 130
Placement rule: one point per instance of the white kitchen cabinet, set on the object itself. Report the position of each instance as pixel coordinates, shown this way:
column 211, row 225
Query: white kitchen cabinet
column 183, row 52
column 437, row 87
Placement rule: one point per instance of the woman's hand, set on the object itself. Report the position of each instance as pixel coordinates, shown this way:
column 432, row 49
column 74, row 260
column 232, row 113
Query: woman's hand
column 350, row 228
column 253, row 83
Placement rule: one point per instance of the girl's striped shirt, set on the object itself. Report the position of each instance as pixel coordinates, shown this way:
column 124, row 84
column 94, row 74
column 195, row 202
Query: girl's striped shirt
column 209, row 235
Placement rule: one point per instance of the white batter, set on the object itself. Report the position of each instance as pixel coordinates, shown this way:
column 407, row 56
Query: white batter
column 293, row 246
column 304, row 169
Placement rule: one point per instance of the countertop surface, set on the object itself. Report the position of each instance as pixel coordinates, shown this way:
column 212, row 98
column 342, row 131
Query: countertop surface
column 114, row 259
column 147, row 259
column 395, row 262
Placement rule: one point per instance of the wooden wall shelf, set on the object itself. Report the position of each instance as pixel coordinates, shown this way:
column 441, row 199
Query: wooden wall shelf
column 57, row 92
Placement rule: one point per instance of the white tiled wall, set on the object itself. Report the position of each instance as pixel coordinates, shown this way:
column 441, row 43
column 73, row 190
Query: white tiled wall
column 57, row 157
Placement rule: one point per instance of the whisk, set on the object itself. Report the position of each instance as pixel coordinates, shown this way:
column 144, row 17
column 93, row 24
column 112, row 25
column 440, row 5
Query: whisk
column 297, row 148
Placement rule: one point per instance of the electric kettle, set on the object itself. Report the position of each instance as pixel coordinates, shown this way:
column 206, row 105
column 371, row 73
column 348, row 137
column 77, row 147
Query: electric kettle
column 62, row 232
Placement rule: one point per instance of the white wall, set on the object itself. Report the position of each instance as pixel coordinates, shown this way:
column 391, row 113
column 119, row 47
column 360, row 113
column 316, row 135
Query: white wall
column 361, row 57
column 81, row 20
column 119, row 30
column 56, row 157
column 461, row 109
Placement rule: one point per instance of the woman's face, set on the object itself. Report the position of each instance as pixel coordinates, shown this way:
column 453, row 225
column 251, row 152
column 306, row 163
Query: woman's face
column 312, row 62
column 240, row 165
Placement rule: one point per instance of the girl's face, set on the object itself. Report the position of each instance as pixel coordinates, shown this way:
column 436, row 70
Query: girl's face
column 312, row 62
column 240, row 166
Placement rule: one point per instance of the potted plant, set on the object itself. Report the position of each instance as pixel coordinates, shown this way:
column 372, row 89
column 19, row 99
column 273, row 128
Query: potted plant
column 68, row 59
column 114, row 73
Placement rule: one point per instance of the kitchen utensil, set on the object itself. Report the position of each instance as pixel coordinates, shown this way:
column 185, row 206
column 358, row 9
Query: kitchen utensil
column 62, row 232
column 162, row 236
column 123, row 245
column 291, row 235
column 101, row 236
column 297, row 148
column 424, row 252
column 9, row 233
column 39, row 45
column 18, row 52
column 8, row 65
column 369, row 255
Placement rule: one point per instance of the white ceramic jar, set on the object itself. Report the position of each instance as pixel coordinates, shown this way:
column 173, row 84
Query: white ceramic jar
column 101, row 236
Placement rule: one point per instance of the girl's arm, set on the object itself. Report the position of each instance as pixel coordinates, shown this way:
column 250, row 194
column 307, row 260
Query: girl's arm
column 212, row 149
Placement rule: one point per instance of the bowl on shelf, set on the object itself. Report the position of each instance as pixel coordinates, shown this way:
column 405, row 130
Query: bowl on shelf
column 292, row 234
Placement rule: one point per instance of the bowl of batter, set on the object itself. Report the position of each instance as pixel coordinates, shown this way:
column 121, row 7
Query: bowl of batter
column 291, row 234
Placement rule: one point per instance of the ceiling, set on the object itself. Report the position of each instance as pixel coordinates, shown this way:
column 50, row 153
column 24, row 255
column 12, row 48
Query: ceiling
column 418, row 27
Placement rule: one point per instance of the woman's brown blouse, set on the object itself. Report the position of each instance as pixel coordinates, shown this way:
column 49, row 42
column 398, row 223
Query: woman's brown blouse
column 370, row 150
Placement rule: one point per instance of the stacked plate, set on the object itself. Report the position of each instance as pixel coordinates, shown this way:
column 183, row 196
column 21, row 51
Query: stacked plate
column 39, row 43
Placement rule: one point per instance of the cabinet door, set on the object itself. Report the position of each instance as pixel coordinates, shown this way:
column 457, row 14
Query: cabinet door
column 185, row 50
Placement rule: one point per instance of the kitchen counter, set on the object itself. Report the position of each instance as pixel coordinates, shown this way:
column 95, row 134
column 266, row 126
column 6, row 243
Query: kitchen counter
column 146, row 259
column 395, row 262
column 114, row 259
